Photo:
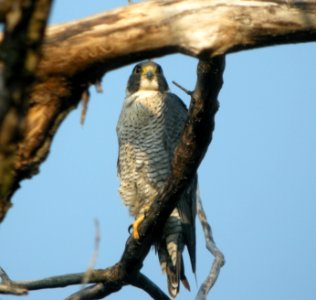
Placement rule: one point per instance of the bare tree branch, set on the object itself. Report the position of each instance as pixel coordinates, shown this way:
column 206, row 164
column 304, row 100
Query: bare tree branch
column 57, row 281
column 211, row 246
column 152, row 28
column 7, row 286
column 144, row 283
column 99, row 291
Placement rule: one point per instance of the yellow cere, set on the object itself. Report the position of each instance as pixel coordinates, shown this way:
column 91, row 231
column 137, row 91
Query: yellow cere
column 145, row 69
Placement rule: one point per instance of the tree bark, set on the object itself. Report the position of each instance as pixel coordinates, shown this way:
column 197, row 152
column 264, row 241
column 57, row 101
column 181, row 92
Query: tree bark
column 25, row 23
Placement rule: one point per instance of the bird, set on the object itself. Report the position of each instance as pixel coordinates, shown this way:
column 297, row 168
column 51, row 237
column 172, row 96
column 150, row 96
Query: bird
column 149, row 128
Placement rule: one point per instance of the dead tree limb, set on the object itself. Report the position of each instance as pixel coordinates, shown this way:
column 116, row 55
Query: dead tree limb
column 25, row 23
column 7, row 286
column 77, row 54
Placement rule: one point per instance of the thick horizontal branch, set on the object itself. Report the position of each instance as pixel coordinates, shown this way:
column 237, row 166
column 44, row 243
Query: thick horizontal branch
column 162, row 27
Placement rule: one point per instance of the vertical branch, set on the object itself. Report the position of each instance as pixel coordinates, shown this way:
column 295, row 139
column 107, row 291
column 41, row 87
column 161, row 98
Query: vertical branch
column 25, row 22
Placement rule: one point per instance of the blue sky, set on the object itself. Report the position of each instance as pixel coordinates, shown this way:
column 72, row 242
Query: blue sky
column 257, row 181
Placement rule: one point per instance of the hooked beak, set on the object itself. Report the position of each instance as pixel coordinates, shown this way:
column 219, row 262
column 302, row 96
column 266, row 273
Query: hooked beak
column 150, row 74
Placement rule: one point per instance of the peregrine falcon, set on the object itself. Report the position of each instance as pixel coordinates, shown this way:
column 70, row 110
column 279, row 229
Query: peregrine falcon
column 148, row 130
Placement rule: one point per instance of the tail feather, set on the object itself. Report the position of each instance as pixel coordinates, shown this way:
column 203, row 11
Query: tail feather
column 170, row 248
column 173, row 281
column 183, row 278
column 171, row 262
column 185, row 283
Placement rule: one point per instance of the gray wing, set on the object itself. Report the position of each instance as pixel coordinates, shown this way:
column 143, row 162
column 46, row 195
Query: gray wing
column 177, row 113
column 187, row 211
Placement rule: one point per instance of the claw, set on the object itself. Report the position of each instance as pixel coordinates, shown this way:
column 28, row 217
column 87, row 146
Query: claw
column 136, row 224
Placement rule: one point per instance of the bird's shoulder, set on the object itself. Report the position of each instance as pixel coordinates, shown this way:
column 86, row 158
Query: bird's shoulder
column 173, row 100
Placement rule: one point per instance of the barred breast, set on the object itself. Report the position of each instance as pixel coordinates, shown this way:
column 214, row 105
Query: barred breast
column 144, row 160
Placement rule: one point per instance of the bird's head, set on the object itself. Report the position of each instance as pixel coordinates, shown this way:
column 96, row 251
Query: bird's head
column 147, row 76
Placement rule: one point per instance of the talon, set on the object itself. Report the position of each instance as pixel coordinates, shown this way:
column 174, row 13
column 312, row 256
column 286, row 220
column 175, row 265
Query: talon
column 135, row 226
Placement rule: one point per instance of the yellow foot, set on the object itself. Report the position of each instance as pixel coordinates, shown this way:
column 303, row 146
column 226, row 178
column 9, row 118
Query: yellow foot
column 136, row 224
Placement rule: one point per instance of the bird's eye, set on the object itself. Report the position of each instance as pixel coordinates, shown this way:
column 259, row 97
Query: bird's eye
column 137, row 69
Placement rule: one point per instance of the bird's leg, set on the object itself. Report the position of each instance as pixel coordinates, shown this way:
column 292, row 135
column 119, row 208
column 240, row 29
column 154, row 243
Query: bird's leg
column 140, row 218
column 136, row 224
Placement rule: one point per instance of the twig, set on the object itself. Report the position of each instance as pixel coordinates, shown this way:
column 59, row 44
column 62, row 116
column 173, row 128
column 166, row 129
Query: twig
column 182, row 88
column 4, row 276
column 95, row 254
column 85, row 101
column 211, row 246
